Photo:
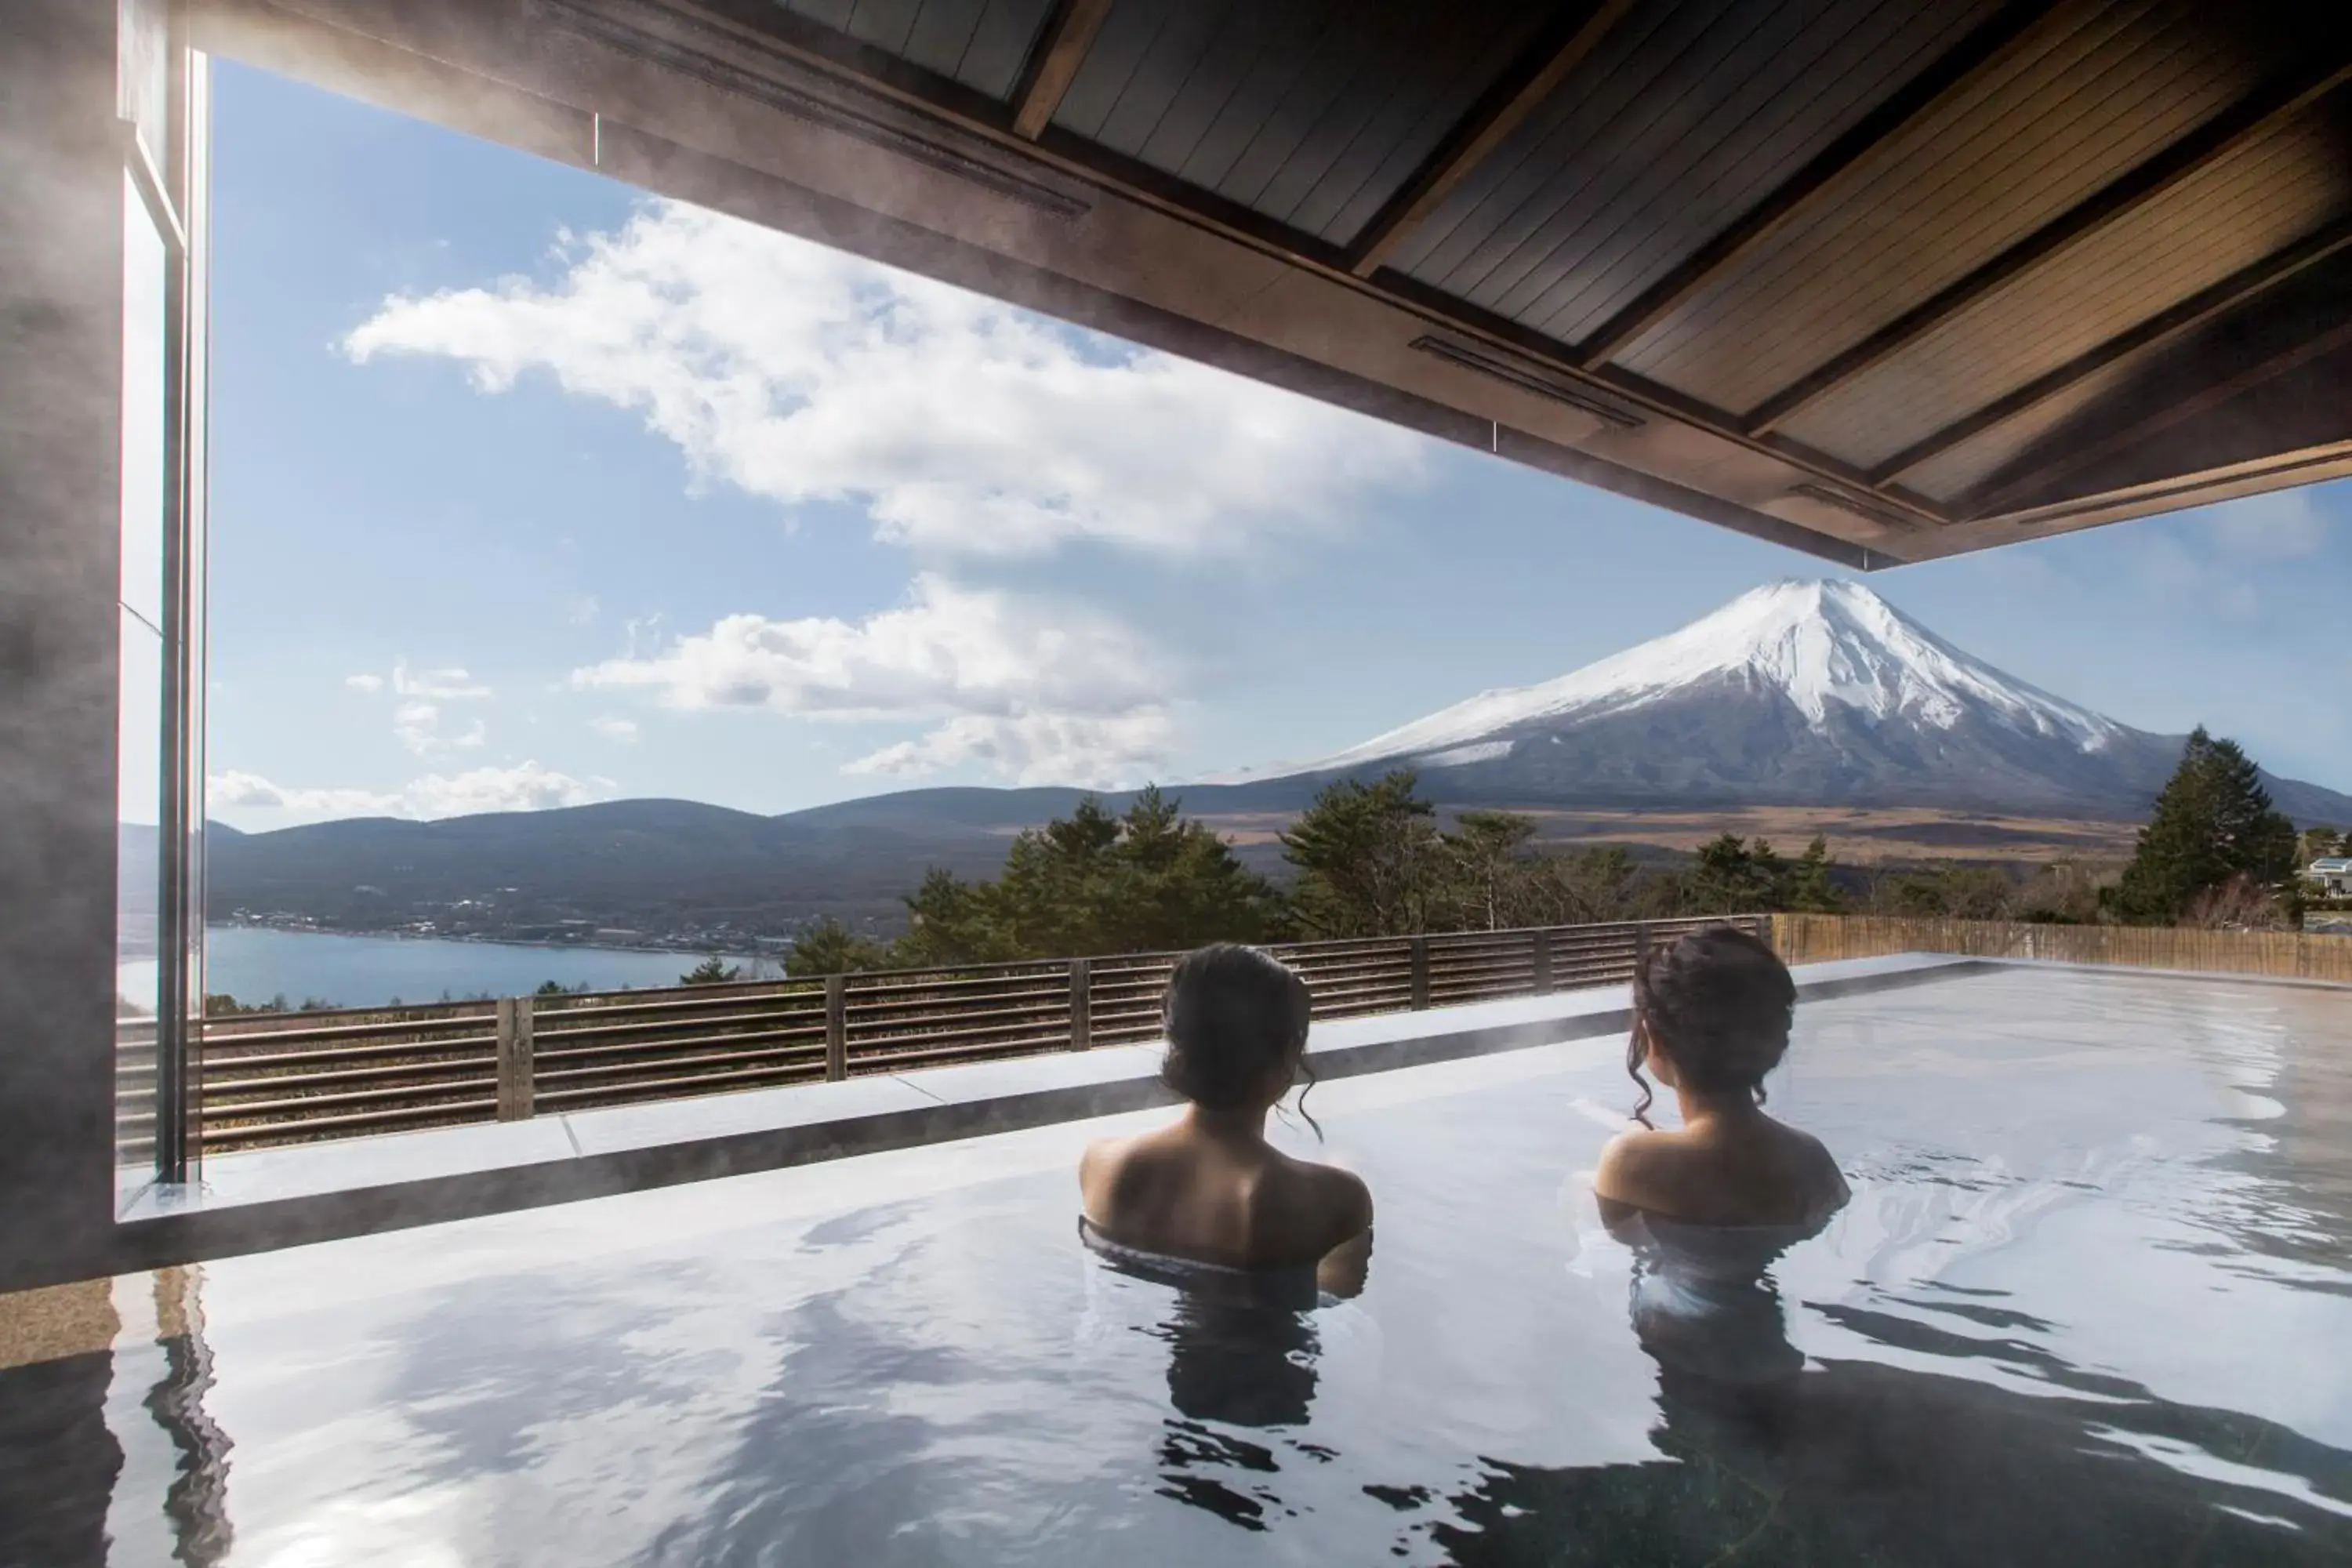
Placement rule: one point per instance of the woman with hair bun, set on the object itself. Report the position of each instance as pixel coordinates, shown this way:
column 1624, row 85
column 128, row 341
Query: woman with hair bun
column 1209, row 1188
column 1711, row 1017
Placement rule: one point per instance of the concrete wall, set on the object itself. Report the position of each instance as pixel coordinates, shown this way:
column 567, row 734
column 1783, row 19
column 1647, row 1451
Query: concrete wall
column 60, row 369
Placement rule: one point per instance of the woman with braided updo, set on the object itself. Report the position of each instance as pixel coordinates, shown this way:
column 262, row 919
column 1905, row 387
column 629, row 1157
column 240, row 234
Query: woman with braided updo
column 1711, row 1018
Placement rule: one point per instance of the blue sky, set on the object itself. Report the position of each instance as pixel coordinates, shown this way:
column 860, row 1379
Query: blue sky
column 530, row 491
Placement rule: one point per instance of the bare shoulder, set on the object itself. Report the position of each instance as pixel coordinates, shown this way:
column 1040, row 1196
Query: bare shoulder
column 1346, row 1196
column 1314, row 1206
column 1098, row 1171
column 1629, row 1165
column 1822, row 1168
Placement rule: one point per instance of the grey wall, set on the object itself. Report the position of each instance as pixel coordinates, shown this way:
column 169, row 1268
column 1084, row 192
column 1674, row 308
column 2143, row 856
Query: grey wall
column 60, row 366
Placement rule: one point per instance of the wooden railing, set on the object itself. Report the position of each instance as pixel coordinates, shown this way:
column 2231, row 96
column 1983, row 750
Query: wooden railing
column 1815, row 939
column 294, row 1077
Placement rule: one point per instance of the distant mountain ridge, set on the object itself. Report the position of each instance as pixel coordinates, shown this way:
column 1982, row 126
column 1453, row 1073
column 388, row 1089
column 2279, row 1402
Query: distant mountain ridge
column 1800, row 693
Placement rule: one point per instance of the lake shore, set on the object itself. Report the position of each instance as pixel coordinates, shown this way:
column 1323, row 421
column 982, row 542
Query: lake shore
column 258, row 963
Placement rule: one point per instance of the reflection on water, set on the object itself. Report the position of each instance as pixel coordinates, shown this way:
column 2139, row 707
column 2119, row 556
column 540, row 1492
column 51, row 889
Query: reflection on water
column 79, row 1483
column 1766, row 1460
column 196, row 1500
column 58, row 1458
column 1861, row 1462
column 1243, row 1352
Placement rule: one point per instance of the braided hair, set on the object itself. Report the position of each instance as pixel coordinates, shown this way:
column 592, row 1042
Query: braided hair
column 1234, row 1015
column 1718, row 1002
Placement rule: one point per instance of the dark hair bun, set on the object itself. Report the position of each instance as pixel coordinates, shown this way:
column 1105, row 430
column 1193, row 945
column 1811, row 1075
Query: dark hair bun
column 1234, row 1015
column 1719, row 1003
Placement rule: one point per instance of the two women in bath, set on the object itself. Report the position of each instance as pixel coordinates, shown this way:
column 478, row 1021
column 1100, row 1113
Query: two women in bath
column 1711, row 1018
column 1209, row 1188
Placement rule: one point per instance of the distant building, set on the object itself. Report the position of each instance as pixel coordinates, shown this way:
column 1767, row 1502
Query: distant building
column 2332, row 875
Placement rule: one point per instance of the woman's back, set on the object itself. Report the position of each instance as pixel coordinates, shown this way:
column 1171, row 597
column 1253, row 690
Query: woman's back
column 1239, row 1203
column 1743, row 1171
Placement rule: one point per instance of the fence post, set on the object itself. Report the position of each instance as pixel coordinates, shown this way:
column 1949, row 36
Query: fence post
column 517, row 1092
column 836, row 1027
column 1543, row 961
column 1419, row 962
column 1082, row 1005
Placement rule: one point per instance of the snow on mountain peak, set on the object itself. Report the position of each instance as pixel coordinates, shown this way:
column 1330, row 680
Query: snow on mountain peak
column 1815, row 642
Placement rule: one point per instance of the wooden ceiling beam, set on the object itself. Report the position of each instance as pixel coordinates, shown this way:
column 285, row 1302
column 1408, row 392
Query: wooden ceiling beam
column 1565, row 45
column 2225, row 133
column 1951, row 74
column 1053, row 60
column 2238, row 288
column 1993, row 501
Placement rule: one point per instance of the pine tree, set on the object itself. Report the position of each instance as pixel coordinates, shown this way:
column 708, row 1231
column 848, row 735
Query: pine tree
column 1810, row 890
column 1363, row 854
column 2213, row 822
column 1093, row 882
column 1486, row 867
column 1732, row 879
column 828, row 947
column 711, row 971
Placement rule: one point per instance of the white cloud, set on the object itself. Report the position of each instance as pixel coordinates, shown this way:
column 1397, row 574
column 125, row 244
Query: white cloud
column 418, row 726
column 524, row 787
column 613, row 727
column 963, row 426
column 2280, row 524
column 582, row 611
column 1036, row 748
column 416, row 718
column 439, row 685
column 251, row 791
column 1028, row 689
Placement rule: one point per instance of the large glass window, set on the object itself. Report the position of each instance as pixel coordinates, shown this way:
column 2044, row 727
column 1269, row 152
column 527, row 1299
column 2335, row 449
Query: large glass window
column 158, row 613
column 140, row 794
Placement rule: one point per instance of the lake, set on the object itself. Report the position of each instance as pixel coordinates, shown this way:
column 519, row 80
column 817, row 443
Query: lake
column 254, row 964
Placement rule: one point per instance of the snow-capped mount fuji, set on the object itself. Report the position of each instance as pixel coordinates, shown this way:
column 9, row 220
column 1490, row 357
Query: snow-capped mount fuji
column 1813, row 644
column 1817, row 693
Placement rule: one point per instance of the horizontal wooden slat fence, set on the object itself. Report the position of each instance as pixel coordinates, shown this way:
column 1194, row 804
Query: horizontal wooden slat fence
column 301, row 1077
column 1815, row 939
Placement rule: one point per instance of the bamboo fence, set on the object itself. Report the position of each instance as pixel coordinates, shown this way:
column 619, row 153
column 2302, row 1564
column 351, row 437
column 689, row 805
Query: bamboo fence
column 1815, row 939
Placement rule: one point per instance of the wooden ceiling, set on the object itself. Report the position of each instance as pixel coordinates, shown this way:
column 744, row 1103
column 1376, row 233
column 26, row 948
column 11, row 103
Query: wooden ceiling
column 1884, row 279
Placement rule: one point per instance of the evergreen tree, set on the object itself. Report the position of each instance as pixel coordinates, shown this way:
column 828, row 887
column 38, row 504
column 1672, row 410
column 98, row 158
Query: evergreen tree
column 1953, row 893
column 1810, row 890
column 2213, row 822
column 828, row 947
column 1173, row 883
column 1091, row 883
column 951, row 921
column 1596, row 885
column 1364, row 855
column 711, row 971
column 1731, row 878
column 1488, row 873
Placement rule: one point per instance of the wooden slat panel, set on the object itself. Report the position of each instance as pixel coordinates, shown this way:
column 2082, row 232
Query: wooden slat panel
column 2099, row 90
